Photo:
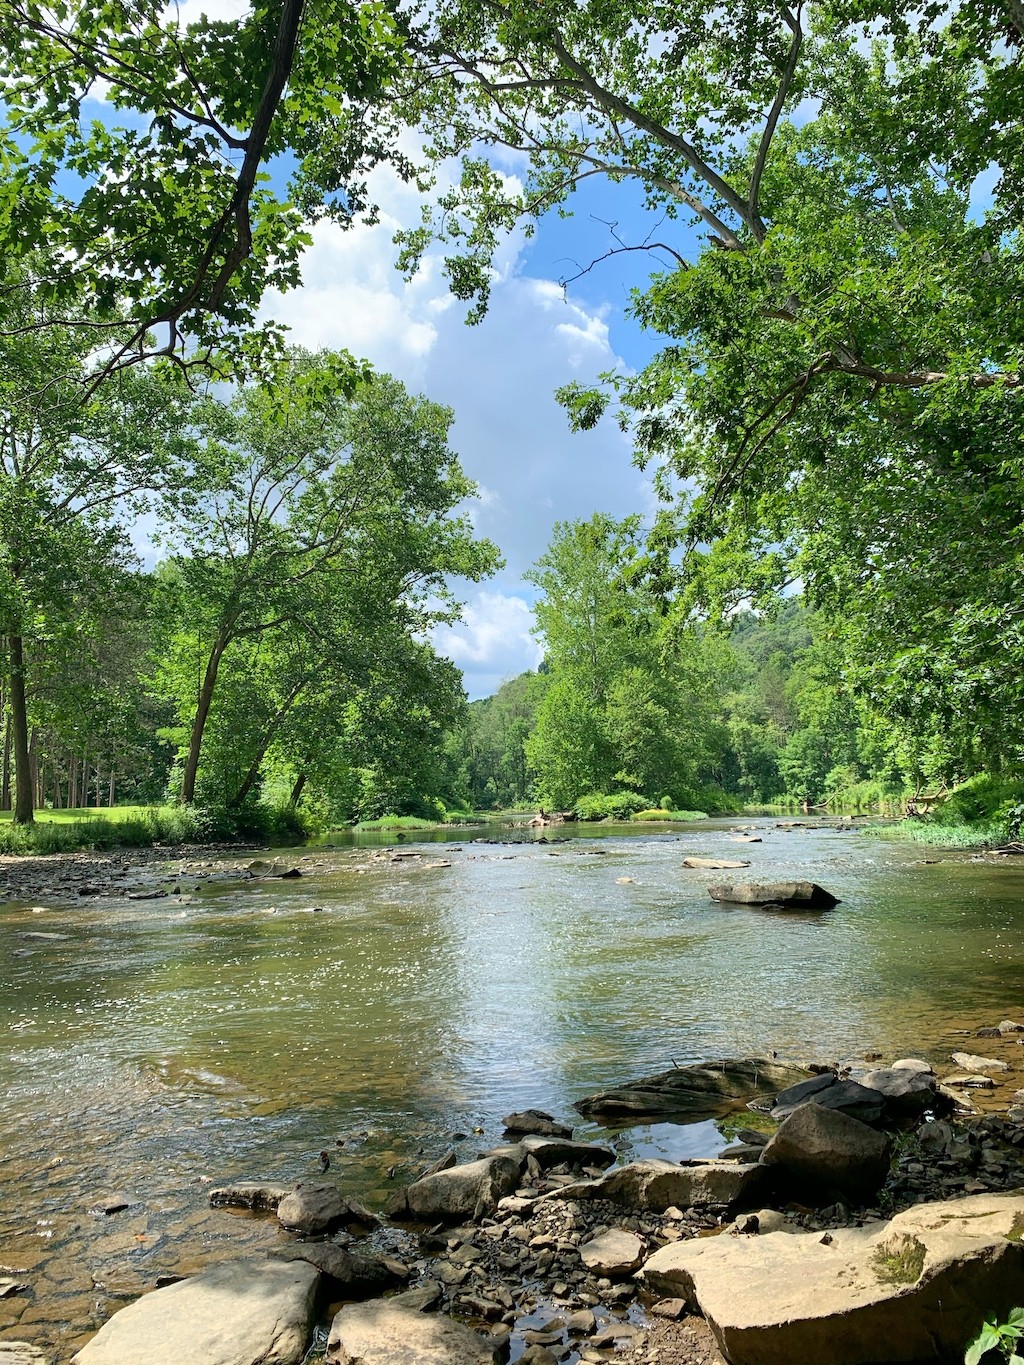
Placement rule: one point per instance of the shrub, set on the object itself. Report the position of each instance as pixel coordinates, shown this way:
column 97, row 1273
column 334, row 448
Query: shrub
column 613, row 806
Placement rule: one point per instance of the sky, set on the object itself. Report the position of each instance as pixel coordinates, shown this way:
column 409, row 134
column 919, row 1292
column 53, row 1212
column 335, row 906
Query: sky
column 499, row 377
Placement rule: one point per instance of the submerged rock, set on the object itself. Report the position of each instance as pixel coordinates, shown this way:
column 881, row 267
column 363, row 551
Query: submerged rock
column 716, row 864
column 914, row 1288
column 969, row 1061
column 694, row 1091
column 235, row 1313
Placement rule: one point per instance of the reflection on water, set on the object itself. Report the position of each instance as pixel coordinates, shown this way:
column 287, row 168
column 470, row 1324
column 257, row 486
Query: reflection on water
column 149, row 1047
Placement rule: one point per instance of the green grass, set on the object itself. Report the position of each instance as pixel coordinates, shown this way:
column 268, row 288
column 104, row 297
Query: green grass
column 82, row 814
column 981, row 835
column 659, row 814
column 69, row 831
column 399, row 822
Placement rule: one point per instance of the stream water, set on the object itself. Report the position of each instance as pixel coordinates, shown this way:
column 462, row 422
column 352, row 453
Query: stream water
column 148, row 1048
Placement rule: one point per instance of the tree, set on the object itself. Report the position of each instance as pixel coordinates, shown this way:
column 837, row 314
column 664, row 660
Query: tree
column 626, row 708
column 331, row 533
column 162, row 208
column 73, row 474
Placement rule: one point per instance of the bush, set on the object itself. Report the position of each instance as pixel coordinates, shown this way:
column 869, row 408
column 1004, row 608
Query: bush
column 667, row 803
column 613, row 806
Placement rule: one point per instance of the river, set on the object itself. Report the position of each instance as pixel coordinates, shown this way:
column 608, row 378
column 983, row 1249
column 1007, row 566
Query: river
column 152, row 1047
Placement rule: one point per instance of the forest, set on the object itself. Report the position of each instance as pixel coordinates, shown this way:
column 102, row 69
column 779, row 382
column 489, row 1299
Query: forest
column 825, row 608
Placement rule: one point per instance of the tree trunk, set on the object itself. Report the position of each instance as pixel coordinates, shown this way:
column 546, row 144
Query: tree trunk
column 110, row 790
column 24, row 811
column 57, row 798
column 297, row 790
column 271, row 730
column 195, row 743
column 73, row 782
column 5, row 789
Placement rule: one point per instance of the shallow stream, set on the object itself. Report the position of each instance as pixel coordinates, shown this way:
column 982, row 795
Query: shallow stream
column 149, row 1048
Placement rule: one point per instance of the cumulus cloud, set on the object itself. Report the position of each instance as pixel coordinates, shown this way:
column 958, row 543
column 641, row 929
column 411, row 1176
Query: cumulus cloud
column 493, row 641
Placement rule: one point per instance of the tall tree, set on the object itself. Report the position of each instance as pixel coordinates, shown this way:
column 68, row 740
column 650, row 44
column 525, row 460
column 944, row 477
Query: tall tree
column 842, row 336
column 330, row 511
column 73, row 475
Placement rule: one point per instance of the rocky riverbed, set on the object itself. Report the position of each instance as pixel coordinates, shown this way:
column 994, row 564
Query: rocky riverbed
column 544, row 1250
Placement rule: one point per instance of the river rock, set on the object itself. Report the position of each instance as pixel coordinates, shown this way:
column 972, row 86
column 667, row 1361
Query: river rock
column 914, row 1064
column 313, row 1209
column 830, row 1150
column 250, row 1194
column 554, row 1151
column 906, row 1092
column 829, row 1092
column 22, row 1353
column 615, row 1253
column 1007, row 1026
column 660, row 1185
column 716, row 864
column 352, row 1274
column 914, row 1288
column 969, row 1061
column 536, row 1121
column 788, row 895
column 969, row 1082
column 471, row 1190
column 234, row 1313
column 385, row 1331
column 693, row 1091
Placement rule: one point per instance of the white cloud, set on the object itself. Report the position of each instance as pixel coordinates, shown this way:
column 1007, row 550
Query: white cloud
column 493, row 641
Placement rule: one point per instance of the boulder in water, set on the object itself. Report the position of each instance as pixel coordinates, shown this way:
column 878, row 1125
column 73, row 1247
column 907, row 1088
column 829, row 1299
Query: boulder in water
column 786, row 895
column 701, row 1091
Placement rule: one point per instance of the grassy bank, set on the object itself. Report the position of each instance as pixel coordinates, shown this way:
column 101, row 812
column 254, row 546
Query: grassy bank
column 73, row 831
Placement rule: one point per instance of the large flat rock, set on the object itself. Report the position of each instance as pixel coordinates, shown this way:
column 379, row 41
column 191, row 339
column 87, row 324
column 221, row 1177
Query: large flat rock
column 914, row 1288
column 701, row 1091
column 389, row 1331
column 235, row 1313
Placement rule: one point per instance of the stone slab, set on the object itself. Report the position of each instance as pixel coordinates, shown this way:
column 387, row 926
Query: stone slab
column 914, row 1288
column 235, row 1313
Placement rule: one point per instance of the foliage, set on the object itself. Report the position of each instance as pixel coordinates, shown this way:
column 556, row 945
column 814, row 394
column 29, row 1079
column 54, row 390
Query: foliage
column 609, row 806
column 1001, row 1337
column 837, row 397
column 660, row 813
column 623, row 709
column 136, row 148
column 299, row 591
